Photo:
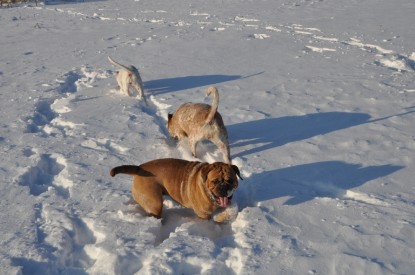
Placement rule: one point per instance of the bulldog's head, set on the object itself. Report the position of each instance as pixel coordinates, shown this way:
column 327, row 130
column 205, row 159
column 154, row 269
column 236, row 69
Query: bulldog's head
column 221, row 181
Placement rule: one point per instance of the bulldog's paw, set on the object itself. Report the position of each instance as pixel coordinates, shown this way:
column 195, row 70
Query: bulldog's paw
column 227, row 214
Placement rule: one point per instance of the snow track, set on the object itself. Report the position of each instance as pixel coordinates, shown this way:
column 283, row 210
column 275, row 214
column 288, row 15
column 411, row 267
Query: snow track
column 61, row 233
column 73, row 242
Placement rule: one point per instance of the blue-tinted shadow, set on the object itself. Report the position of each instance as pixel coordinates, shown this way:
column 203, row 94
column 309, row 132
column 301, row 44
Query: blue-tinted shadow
column 305, row 182
column 175, row 84
column 273, row 132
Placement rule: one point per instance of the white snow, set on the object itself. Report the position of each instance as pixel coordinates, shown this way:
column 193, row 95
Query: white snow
column 318, row 99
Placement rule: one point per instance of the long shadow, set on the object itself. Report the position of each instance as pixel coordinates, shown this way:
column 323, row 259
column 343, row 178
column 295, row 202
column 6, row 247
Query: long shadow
column 32, row 267
column 62, row 2
column 305, row 182
column 161, row 86
column 273, row 132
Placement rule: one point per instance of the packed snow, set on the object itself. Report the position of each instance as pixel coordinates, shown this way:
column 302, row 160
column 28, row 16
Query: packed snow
column 318, row 98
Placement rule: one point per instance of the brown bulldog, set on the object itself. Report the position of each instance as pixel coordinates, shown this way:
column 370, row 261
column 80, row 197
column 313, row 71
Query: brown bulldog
column 200, row 186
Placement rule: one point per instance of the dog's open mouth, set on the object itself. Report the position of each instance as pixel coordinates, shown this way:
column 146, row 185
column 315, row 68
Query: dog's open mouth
column 223, row 201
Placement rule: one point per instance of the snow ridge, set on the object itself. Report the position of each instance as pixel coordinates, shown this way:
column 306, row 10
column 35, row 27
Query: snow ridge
column 62, row 234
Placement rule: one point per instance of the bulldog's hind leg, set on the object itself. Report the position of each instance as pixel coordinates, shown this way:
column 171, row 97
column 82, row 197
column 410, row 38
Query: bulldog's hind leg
column 149, row 195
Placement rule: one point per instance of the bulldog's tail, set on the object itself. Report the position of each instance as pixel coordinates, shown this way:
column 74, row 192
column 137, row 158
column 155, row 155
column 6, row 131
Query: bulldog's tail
column 213, row 91
column 115, row 63
column 132, row 170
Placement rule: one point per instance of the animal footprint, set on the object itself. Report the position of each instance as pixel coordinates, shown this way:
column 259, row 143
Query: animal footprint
column 42, row 116
column 49, row 172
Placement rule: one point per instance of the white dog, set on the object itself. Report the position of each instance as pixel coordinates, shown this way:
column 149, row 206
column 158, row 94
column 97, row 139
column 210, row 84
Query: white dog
column 128, row 77
column 199, row 121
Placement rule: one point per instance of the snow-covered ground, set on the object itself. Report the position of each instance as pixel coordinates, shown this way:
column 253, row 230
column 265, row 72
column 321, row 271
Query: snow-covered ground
column 318, row 98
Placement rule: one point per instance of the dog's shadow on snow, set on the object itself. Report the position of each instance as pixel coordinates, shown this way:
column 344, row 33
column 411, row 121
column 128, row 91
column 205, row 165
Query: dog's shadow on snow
column 166, row 85
column 62, row 2
column 301, row 183
column 274, row 132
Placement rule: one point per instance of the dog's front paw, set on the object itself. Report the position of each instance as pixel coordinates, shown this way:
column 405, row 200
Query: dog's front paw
column 227, row 215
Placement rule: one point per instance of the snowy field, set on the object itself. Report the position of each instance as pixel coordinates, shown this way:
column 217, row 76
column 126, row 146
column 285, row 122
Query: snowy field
column 318, row 97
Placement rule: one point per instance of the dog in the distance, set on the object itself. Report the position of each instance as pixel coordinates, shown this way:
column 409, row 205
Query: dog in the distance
column 200, row 186
column 128, row 78
column 199, row 121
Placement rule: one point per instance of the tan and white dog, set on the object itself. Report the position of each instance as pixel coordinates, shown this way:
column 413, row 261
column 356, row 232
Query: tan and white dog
column 128, row 78
column 200, row 186
column 199, row 121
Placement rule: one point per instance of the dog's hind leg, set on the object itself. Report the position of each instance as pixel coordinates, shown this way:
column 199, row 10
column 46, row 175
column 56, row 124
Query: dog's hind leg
column 123, row 79
column 126, row 88
column 192, row 144
column 149, row 195
column 140, row 92
column 224, row 148
column 139, row 86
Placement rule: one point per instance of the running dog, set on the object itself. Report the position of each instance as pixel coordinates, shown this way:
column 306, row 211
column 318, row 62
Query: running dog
column 199, row 121
column 200, row 186
column 128, row 78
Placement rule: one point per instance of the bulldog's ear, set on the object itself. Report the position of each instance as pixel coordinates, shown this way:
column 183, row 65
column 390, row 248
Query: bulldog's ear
column 236, row 169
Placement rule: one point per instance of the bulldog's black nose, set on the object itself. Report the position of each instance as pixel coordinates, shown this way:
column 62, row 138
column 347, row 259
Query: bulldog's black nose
column 223, row 191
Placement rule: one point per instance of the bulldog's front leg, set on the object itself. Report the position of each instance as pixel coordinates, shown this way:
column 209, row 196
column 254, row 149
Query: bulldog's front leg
column 202, row 214
column 228, row 214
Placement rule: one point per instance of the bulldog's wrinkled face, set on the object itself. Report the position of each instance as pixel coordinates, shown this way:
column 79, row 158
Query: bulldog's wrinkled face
column 222, row 182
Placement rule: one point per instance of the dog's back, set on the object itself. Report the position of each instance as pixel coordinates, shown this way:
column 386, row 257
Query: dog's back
column 190, row 118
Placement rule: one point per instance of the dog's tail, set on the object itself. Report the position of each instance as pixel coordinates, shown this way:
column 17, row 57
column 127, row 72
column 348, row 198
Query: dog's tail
column 212, row 91
column 132, row 170
column 120, row 65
